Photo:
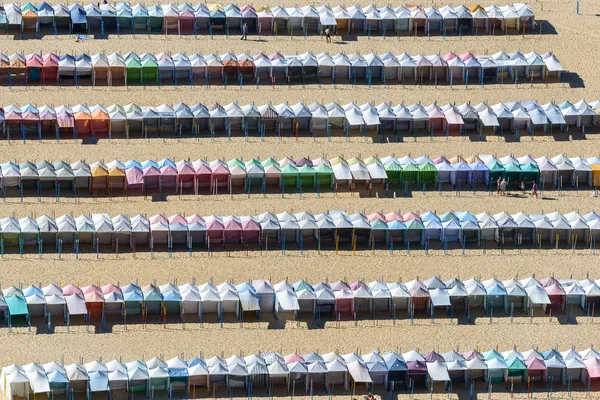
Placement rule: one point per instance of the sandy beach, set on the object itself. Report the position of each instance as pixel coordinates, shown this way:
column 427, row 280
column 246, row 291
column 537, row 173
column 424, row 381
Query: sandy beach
column 572, row 39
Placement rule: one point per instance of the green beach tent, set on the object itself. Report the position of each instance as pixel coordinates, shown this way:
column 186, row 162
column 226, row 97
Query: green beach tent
column 448, row 217
column 517, row 368
column 270, row 161
column 149, row 71
column 308, row 176
column 410, row 173
column 289, row 176
column 133, row 70
column 236, row 162
column 253, row 161
column 325, row 175
column 393, row 171
column 496, row 170
column 530, row 172
column 512, row 172
column 428, row 173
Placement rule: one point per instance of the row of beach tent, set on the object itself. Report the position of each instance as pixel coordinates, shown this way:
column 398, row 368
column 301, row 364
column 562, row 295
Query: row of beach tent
column 287, row 300
column 267, row 229
column 303, row 372
column 219, row 176
column 164, row 68
column 195, row 120
column 187, row 19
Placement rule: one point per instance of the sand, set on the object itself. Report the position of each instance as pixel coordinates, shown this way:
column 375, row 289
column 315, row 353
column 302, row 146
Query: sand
column 562, row 35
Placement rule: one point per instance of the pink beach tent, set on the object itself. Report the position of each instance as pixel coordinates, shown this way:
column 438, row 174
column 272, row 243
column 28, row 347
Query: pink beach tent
column 593, row 367
column 186, row 21
column 290, row 358
column 50, row 68
column 250, row 231
column 151, row 177
column 168, row 176
column 91, row 289
column 449, row 56
column 393, row 216
column 466, row 56
column 111, row 288
column 535, row 367
column 344, row 300
column 186, row 174
column 203, row 174
column 410, row 216
column 135, row 178
column 374, row 216
column 555, row 291
column 220, row 173
column 71, row 289
column 214, row 229
column 233, row 231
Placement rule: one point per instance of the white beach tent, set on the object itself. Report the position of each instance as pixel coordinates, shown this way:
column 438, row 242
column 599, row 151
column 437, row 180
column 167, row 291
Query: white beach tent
column 287, row 301
column 78, row 378
column 15, row 382
column 342, row 173
column 76, row 304
column 359, row 371
column 438, row 372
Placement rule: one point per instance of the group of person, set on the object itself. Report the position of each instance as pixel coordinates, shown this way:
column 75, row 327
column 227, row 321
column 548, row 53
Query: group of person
column 502, row 185
column 245, row 31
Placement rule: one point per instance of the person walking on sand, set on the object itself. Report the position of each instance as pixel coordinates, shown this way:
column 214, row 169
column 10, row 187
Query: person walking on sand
column 327, row 35
column 534, row 189
column 503, row 187
column 523, row 187
column 245, row 31
column 498, row 185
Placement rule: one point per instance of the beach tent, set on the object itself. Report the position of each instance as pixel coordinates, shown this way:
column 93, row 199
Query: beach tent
column 78, row 378
column 17, row 306
column 555, row 367
column 396, row 366
column 437, row 372
column 497, row 369
column 76, row 304
column 15, row 382
column 576, row 369
column 141, row 18
column 156, row 18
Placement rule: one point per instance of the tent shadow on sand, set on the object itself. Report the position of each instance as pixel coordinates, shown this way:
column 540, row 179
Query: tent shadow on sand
column 547, row 29
column 573, row 80
column 306, row 320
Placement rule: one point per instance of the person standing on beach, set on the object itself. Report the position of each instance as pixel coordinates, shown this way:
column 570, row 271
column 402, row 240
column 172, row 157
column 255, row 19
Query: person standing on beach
column 523, row 187
column 245, row 31
column 327, row 35
column 534, row 189
column 498, row 185
column 503, row 187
